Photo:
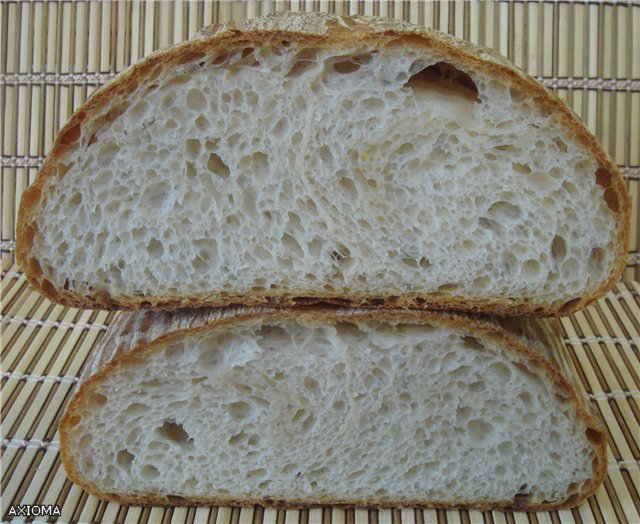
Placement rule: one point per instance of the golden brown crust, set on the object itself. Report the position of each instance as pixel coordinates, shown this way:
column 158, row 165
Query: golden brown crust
column 330, row 30
column 138, row 334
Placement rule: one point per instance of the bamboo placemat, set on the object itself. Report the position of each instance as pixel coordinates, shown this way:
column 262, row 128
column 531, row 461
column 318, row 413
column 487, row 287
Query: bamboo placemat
column 53, row 55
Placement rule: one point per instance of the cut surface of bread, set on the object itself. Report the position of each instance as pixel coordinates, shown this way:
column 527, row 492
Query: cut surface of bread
column 308, row 407
column 318, row 157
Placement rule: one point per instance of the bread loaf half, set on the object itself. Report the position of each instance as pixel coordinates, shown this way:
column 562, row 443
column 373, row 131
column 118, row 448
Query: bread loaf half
column 307, row 407
column 306, row 157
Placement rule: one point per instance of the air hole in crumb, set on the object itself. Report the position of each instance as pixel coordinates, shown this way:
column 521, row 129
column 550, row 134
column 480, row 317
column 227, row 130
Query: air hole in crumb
column 481, row 282
column 596, row 259
column 239, row 410
column 292, row 245
column 70, row 135
column 410, row 262
column 326, row 156
column 210, row 356
column 124, row 458
column 424, row 263
column 139, row 109
column 478, row 386
column 603, row 177
column 558, row 248
column 216, row 165
column 299, row 68
column 523, row 169
column 149, row 472
column 445, row 78
column 299, row 415
column 505, row 147
column 501, row 370
column 260, row 161
column 235, row 439
column 531, row 268
column 259, row 472
column 202, row 123
column 372, row 104
column 505, row 447
column 308, row 423
column 174, row 432
column 479, row 430
column 190, row 170
column 445, row 288
column 349, row 188
column 74, row 420
column 570, row 188
column 594, row 436
column 310, row 384
column 346, row 66
column 156, row 195
column 219, row 59
column 491, row 225
column 611, row 199
column 151, row 89
column 115, row 112
column 281, row 127
column 504, row 211
column 135, row 409
column 155, row 248
column 339, row 255
column 561, row 145
column 193, row 147
column 472, row 343
column 97, row 400
column 191, row 56
column 305, row 60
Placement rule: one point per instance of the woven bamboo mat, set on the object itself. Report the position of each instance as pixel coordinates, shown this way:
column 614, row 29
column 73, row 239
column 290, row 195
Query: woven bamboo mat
column 53, row 55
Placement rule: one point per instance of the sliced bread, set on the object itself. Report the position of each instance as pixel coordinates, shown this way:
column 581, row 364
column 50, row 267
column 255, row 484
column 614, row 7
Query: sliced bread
column 306, row 407
column 306, row 157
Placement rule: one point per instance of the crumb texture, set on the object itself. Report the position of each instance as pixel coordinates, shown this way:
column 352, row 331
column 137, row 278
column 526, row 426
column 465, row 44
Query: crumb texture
column 311, row 169
column 350, row 411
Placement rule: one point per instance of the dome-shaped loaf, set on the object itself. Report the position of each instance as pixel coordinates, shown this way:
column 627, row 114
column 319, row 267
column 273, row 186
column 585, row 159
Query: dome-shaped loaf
column 319, row 407
column 304, row 157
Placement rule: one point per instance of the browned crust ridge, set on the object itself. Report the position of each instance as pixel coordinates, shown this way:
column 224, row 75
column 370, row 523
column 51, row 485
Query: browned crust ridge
column 135, row 335
column 320, row 29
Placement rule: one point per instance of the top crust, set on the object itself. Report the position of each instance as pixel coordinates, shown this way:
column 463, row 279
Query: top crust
column 329, row 31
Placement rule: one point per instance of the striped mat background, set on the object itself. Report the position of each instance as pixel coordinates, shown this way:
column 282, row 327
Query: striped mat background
column 53, row 55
